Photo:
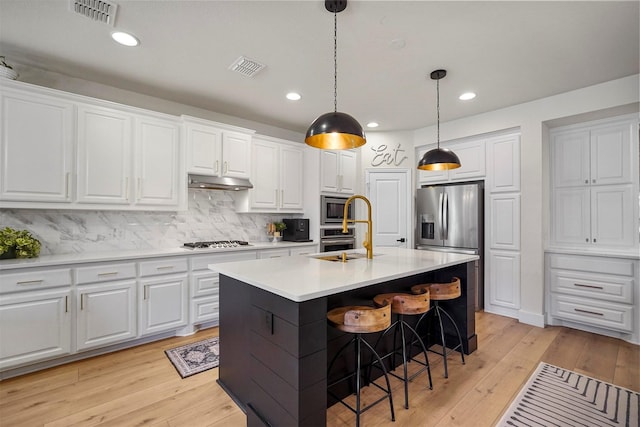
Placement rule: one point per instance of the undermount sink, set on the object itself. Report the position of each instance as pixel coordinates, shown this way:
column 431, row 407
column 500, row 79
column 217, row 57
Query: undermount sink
column 338, row 258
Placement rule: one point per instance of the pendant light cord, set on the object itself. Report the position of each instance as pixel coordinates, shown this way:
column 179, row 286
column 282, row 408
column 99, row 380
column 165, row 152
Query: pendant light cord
column 438, row 109
column 335, row 62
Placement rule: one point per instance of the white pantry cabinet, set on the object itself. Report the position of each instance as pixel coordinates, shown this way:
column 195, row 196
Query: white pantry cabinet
column 217, row 149
column 338, row 171
column 36, row 146
column 105, row 304
column 164, row 292
column 35, row 316
column 595, row 184
column 276, row 175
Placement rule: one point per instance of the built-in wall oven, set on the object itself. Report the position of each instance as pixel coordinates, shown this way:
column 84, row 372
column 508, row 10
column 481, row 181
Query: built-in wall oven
column 332, row 210
column 333, row 239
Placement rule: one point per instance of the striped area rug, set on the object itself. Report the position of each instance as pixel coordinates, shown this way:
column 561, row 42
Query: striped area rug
column 557, row 397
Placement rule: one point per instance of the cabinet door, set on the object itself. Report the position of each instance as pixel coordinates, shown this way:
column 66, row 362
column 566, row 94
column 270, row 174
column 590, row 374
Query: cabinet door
column 503, row 164
column 611, row 154
column 164, row 304
column 34, row 326
column 571, row 158
column 104, row 155
column 329, row 179
column 106, row 314
column 264, row 175
column 158, row 159
column 571, row 216
column 347, row 170
column 504, row 280
column 236, row 154
column 612, row 215
column 472, row 160
column 36, row 148
column 204, row 146
column 291, row 178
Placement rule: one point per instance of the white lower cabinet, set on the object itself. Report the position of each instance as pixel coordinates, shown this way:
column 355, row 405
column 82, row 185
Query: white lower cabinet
column 593, row 291
column 34, row 326
column 304, row 250
column 273, row 253
column 205, row 284
column 163, row 303
column 504, row 280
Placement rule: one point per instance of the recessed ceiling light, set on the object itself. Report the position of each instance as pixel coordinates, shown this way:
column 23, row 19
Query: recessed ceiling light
column 467, row 96
column 372, row 125
column 125, row 39
column 293, row 96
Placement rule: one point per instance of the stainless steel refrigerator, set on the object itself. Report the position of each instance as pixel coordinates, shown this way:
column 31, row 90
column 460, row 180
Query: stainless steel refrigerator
column 450, row 217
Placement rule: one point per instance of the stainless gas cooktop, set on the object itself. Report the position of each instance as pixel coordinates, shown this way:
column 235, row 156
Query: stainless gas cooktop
column 216, row 244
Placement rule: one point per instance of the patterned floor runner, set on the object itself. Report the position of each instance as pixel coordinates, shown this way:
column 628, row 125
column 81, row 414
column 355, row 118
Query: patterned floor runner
column 196, row 357
column 557, row 397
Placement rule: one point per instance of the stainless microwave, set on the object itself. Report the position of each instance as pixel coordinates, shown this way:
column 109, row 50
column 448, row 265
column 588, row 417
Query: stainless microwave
column 332, row 210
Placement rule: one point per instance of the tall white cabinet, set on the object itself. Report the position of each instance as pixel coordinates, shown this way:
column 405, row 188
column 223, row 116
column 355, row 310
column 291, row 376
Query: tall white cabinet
column 592, row 260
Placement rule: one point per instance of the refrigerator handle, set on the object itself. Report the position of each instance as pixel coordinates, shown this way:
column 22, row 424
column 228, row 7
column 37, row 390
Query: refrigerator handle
column 441, row 215
column 446, row 216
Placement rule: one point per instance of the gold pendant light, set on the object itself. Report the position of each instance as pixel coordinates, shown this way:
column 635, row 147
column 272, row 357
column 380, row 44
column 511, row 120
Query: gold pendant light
column 335, row 130
column 439, row 158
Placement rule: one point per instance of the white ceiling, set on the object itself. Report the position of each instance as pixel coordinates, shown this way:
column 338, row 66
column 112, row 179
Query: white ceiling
column 507, row 52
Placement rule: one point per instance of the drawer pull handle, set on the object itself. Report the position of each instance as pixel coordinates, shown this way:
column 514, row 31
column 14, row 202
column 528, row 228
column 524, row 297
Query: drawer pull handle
column 165, row 267
column 66, row 304
column 110, row 273
column 580, row 285
column 30, row 282
column 588, row 312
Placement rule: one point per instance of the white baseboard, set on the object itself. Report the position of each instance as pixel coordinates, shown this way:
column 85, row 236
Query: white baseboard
column 533, row 319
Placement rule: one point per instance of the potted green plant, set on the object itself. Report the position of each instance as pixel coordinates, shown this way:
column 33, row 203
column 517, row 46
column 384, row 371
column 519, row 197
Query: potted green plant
column 18, row 244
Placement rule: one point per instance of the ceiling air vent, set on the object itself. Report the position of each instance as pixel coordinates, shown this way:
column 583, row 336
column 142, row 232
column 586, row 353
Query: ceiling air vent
column 98, row 10
column 247, row 67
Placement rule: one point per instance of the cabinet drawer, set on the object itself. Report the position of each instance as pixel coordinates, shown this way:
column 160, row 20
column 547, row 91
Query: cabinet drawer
column 273, row 253
column 34, row 280
column 602, row 314
column 603, row 287
column 204, row 283
column 622, row 267
column 202, row 262
column 163, row 266
column 305, row 250
column 205, row 309
column 104, row 272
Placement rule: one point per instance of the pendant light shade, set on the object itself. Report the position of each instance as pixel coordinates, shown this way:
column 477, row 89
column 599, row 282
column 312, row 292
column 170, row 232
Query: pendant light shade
column 439, row 158
column 335, row 130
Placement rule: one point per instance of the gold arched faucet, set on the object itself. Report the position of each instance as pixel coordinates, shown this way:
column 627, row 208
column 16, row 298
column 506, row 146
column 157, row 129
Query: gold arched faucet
column 368, row 238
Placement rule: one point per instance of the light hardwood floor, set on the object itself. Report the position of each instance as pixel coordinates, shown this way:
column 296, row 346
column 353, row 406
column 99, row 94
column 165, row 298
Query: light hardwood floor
column 139, row 386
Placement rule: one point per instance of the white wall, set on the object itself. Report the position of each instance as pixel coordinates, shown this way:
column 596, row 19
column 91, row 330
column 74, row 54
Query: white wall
column 533, row 119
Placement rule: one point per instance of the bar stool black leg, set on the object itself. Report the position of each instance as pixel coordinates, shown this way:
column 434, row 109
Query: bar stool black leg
column 386, row 377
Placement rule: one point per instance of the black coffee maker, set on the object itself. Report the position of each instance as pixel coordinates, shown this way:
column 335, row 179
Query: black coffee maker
column 297, row 230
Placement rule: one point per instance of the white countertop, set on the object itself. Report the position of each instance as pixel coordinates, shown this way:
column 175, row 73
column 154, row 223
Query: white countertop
column 86, row 257
column 303, row 278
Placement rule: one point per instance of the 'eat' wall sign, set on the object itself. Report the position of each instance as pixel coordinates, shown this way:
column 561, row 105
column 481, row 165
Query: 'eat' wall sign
column 387, row 156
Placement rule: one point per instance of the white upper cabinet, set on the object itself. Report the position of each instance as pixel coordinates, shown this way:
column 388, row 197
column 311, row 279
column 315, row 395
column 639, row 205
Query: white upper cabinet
column 158, row 177
column 503, row 164
column 88, row 153
column 276, row 175
column 472, row 161
column 104, row 155
column 338, row 171
column 36, row 151
column 217, row 149
column 594, row 188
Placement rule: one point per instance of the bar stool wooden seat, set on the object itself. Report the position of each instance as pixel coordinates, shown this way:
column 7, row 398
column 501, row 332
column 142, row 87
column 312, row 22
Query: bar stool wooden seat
column 442, row 292
column 403, row 304
column 360, row 320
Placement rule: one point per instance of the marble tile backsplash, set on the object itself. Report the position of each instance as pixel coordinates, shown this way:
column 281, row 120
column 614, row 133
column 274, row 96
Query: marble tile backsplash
column 211, row 216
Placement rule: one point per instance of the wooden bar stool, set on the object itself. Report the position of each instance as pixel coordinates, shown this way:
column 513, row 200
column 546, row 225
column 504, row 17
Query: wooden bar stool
column 403, row 304
column 442, row 292
column 360, row 320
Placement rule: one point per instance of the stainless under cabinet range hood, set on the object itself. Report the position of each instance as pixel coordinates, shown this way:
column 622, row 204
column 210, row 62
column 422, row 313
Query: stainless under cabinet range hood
column 206, row 182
